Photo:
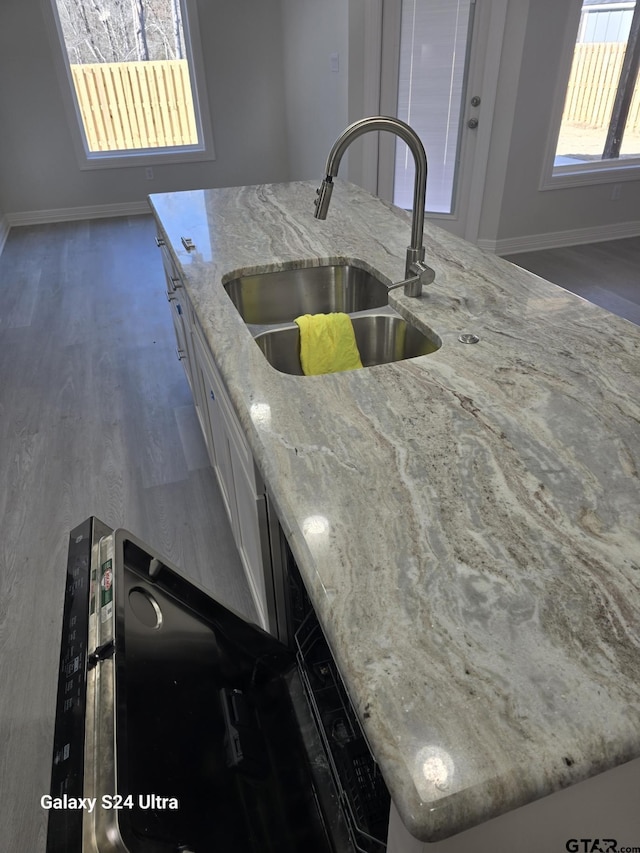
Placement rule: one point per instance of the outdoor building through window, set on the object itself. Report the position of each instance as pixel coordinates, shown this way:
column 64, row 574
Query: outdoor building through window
column 131, row 71
column 601, row 118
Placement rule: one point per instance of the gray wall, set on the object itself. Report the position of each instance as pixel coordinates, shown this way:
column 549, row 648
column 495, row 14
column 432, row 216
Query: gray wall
column 316, row 96
column 38, row 168
column 277, row 107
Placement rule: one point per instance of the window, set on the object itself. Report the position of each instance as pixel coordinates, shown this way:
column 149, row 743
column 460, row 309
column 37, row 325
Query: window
column 133, row 79
column 600, row 125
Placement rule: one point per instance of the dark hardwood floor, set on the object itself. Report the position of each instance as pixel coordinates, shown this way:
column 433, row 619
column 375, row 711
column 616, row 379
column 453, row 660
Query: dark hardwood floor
column 606, row 273
column 96, row 418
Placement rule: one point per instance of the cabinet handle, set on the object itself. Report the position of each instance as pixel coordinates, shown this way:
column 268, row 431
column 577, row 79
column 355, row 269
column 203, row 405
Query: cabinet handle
column 212, row 395
column 176, row 282
column 160, row 241
column 180, row 353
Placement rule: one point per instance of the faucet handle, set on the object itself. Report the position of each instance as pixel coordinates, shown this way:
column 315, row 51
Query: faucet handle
column 418, row 274
column 422, row 272
column 422, row 275
column 324, row 197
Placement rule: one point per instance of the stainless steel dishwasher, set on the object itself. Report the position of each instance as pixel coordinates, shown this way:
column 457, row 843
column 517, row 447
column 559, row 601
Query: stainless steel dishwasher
column 182, row 727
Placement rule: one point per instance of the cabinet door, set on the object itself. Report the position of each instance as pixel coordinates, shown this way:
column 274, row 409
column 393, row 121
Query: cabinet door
column 200, row 393
column 222, row 457
column 252, row 536
column 242, row 487
column 214, row 429
column 246, row 510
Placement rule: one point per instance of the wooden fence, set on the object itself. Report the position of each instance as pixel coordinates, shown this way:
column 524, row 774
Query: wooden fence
column 592, row 86
column 127, row 105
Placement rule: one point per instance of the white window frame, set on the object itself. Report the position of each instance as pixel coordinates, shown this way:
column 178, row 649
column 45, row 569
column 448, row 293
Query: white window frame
column 595, row 171
column 89, row 160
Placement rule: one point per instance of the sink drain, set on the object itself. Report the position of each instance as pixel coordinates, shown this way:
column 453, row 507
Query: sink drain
column 468, row 338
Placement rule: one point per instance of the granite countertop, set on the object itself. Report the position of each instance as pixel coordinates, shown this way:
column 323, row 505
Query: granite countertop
column 467, row 523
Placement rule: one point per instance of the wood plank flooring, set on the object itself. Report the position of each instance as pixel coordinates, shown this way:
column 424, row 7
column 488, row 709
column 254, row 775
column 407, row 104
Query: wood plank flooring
column 606, row 273
column 96, row 418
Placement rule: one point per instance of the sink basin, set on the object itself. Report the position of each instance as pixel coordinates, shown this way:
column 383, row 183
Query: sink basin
column 381, row 338
column 280, row 297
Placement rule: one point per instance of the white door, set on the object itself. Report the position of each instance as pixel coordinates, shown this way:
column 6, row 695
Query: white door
column 439, row 69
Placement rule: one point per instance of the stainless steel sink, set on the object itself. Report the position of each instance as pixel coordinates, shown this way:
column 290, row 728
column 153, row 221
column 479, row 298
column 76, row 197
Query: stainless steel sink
column 280, row 297
column 381, row 338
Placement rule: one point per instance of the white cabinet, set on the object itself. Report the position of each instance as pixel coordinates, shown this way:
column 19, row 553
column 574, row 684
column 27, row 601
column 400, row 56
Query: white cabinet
column 240, row 482
column 214, row 428
column 252, row 535
column 241, row 485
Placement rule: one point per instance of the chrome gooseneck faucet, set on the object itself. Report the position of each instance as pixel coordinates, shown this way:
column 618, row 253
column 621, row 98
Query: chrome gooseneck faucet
column 417, row 272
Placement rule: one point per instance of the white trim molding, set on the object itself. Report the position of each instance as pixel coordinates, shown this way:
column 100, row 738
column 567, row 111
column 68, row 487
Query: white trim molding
column 591, row 173
column 371, row 95
column 4, row 231
column 67, row 214
column 558, row 239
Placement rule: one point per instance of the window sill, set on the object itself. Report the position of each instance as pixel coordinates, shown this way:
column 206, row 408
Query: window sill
column 143, row 157
column 597, row 172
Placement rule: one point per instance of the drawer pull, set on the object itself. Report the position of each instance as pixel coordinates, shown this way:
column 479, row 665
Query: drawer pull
column 160, row 242
column 180, row 353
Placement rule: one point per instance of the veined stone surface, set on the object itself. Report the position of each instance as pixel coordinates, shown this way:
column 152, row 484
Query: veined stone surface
column 467, row 523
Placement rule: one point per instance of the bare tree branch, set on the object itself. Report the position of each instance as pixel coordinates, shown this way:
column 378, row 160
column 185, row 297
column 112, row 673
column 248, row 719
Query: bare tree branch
column 121, row 30
column 177, row 28
column 137, row 8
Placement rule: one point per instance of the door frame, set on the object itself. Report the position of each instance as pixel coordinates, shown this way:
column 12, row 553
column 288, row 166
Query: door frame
column 381, row 62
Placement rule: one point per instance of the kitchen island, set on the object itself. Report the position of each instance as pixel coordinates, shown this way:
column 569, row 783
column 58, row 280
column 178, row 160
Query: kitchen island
column 466, row 523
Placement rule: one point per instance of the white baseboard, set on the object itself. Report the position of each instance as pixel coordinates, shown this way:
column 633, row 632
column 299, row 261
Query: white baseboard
column 66, row 214
column 4, row 231
column 558, row 239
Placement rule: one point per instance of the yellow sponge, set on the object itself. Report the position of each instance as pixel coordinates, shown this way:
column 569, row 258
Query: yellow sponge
column 327, row 343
